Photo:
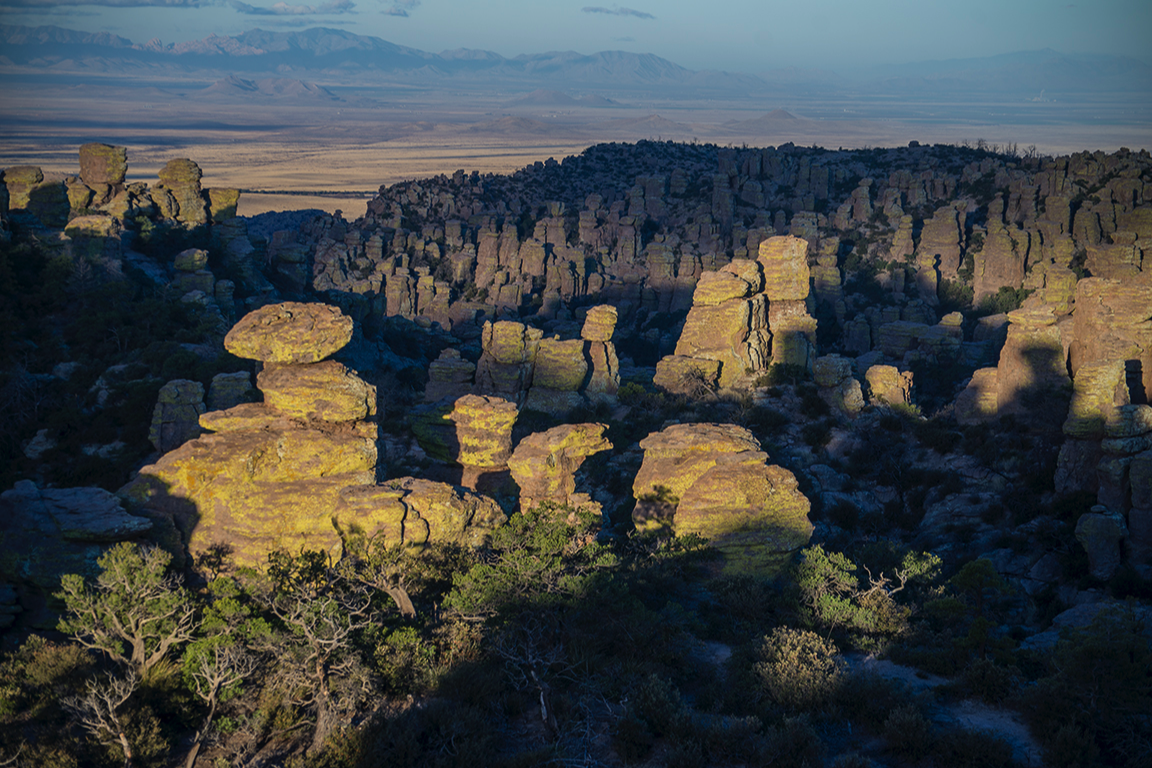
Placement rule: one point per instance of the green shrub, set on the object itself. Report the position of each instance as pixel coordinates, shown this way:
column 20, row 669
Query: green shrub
column 798, row 669
column 990, row 681
column 658, row 702
column 908, row 733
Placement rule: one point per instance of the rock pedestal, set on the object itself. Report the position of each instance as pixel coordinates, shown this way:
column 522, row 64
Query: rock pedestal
column 484, row 436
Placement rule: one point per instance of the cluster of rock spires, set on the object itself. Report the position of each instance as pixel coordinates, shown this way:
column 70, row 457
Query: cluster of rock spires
column 695, row 268
column 299, row 469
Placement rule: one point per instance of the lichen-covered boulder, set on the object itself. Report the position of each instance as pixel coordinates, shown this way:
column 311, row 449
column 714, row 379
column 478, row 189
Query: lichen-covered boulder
column 830, row 370
column 484, row 430
column 230, row 389
column 416, row 512
column 176, row 417
column 325, row 391
column 544, row 464
column 752, row 512
column 715, row 288
column 599, row 323
column 255, row 490
column 785, row 263
column 290, row 333
column 560, row 365
column 887, row 385
column 222, row 203
column 676, row 457
column 1098, row 389
column 680, row 374
column 103, row 164
column 181, row 179
column 977, row 404
column 1100, row 533
column 713, row 480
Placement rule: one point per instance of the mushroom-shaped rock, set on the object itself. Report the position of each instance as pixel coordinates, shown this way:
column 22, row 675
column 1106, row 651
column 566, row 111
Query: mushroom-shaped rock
column 599, row 323
column 324, row 391
column 544, row 464
column 290, row 333
column 484, row 430
column 414, row 512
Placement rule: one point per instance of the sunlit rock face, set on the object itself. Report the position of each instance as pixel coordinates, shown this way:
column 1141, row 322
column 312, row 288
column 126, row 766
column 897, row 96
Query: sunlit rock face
column 713, row 480
column 544, row 464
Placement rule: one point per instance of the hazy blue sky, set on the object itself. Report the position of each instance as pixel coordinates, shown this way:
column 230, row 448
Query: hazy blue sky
column 737, row 35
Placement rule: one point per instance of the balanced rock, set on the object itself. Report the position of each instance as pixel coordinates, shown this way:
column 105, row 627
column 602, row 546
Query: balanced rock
column 290, row 333
column 181, row 180
column 544, row 464
column 415, row 512
column 176, row 417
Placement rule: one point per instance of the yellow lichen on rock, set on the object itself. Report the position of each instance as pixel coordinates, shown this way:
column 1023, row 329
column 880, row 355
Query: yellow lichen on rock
column 324, row 391
column 1098, row 389
column 785, row 263
column 290, row 333
column 544, row 464
column 484, row 430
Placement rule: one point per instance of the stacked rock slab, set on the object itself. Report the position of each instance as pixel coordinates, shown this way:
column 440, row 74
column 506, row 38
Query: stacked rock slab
column 544, row 464
column 185, row 200
column 786, row 275
column 1113, row 321
column 484, row 435
column 506, row 364
column 714, row 481
column 414, row 512
column 727, row 323
column 449, row 377
column 270, row 475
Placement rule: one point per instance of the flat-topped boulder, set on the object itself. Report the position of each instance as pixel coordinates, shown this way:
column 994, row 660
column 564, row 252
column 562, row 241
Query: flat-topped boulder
column 290, row 333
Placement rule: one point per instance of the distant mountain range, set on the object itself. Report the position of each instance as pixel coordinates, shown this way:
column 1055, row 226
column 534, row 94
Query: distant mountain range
column 337, row 56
